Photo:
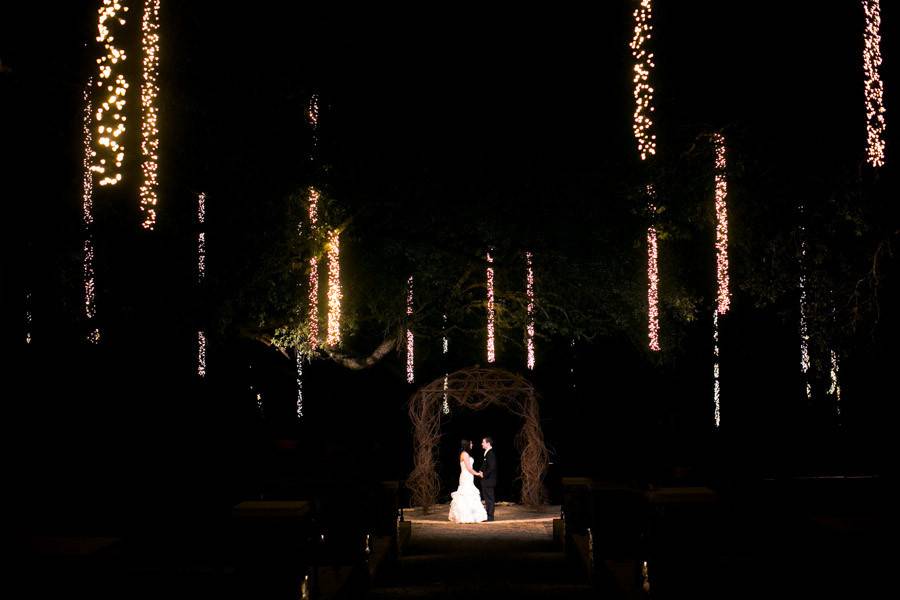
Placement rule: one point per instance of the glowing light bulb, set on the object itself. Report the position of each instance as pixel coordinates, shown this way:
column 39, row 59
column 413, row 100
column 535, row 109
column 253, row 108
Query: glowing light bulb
column 874, row 88
column 491, row 354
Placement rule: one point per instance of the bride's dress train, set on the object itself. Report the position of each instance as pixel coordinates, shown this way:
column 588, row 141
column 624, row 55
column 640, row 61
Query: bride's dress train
column 465, row 504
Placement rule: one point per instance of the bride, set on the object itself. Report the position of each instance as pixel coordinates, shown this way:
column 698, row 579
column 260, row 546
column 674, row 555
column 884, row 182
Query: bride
column 465, row 506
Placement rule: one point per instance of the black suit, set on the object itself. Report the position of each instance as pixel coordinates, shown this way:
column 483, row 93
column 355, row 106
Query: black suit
column 489, row 482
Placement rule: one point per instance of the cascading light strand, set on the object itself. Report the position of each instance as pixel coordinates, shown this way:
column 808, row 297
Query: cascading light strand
column 834, row 389
column 874, row 88
column 299, row 360
column 445, row 405
column 804, row 328
column 716, row 384
column 313, row 306
column 201, row 354
column 150, row 113
column 109, row 151
column 410, row 338
column 27, row 316
column 643, row 91
column 335, row 295
column 723, row 295
column 201, row 275
column 491, row 352
column 652, row 275
column 529, row 309
column 87, row 218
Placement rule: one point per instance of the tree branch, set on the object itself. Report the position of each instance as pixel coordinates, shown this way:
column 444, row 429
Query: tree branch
column 357, row 363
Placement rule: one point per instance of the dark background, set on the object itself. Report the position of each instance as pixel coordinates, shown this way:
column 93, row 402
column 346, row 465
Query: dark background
column 496, row 108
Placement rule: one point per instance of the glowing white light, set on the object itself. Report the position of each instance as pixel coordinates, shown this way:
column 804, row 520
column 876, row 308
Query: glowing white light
column 834, row 389
column 201, row 208
column 643, row 92
column 804, row 333
column 201, row 354
column 334, row 288
column 112, row 89
column 259, row 402
column 149, row 113
column 724, row 296
column 410, row 338
column 491, row 355
column 313, row 310
column 529, row 307
column 874, row 88
column 653, row 288
column 299, row 358
column 445, row 405
column 312, row 115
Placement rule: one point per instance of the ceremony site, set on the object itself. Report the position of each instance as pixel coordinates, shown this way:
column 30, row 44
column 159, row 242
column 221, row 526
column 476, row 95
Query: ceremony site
column 463, row 301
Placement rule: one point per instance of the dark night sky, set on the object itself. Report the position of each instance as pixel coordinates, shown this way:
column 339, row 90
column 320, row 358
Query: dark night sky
column 433, row 107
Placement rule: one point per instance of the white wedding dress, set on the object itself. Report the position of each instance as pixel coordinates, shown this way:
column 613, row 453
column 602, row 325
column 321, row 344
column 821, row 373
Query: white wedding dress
column 465, row 506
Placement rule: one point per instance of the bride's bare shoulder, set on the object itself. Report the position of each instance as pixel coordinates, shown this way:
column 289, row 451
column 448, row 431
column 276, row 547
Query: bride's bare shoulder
column 463, row 455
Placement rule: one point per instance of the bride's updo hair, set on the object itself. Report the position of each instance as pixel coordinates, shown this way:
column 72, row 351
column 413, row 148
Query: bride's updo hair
column 465, row 445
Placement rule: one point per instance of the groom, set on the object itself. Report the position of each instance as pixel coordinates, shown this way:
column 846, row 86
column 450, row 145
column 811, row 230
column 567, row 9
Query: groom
column 488, row 477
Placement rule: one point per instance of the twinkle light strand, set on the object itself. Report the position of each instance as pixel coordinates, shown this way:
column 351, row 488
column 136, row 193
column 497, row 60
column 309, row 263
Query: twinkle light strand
column 150, row 113
column 804, row 332
column 201, row 237
column 299, row 357
column 723, row 296
column 27, row 317
column 834, row 390
column 874, row 88
column 491, row 354
column 652, row 277
column 313, row 310
column 201, row 354
column 529, row 308
column 643, row 92
column 410, row 338
column 112, row 89
column 87, row 218
column 716, row 385
column 445, row 348
column 312, row 116
column 335, row 295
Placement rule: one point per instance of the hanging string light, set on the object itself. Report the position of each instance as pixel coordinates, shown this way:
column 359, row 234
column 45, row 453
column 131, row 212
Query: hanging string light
column 313, row 311
column 87, row 218
column 834, row 390
column 201, row 354
column 529, row 308
column 299, row 359
column 312, row 116
column 491, row 354
column 716, row 386
column 724, row 296
column 874, row 88
column 410, row 339
column 652, row 279
column 804, row 333
column 27, row 317
column 646, row 146
column 109, row 151
column 201, row 275
column 334, row 288
column 643, row 92
column 445, row 348
column 149, row 113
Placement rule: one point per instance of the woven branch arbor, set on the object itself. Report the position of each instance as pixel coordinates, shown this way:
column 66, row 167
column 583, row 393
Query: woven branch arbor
column 476, row 388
